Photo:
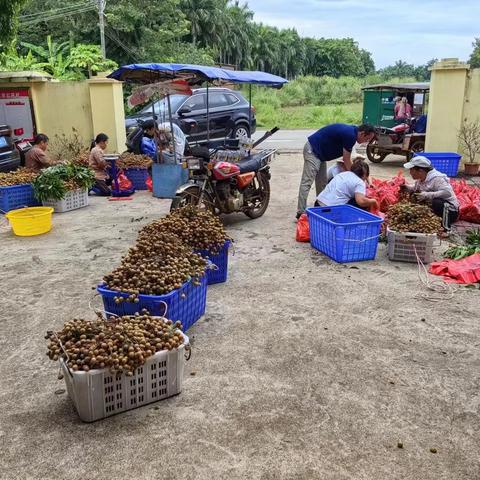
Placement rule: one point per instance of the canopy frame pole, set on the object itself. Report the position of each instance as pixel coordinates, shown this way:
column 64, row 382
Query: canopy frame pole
column 155, row 98
column 171, row 129
column 208, row 114
column 250, row 109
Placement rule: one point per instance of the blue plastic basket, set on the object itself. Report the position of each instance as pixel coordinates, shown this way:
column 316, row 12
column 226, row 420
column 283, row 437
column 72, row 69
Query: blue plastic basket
column 167, row 178
column 445, row 162
column 138, row 177
column 344, row 233
column 220, row 273
column 186, row 304
column 17, row 196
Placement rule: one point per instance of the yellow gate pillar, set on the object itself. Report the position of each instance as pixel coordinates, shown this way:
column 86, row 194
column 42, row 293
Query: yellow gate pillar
column 445, row 107
column 108, row 113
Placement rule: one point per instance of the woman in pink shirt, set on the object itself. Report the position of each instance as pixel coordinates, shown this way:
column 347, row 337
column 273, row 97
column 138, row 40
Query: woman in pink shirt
column 403, row 110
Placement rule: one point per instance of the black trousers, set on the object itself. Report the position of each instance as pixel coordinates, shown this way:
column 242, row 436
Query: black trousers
column 445, row 211
column 102, row 188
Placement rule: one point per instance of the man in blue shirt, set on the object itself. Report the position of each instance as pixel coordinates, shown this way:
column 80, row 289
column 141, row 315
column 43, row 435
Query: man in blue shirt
column 328, row 143
column 149, row 145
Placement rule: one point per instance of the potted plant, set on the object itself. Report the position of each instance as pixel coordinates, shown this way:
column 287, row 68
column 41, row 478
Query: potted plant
column 469, row 140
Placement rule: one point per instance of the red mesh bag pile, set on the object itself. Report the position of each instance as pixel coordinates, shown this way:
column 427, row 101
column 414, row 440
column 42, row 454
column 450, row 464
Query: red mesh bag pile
column 386, row 192
column 469, row 199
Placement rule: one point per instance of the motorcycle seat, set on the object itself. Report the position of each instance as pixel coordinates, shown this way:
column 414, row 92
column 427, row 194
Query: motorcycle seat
column 252, row 164
column 388, row 131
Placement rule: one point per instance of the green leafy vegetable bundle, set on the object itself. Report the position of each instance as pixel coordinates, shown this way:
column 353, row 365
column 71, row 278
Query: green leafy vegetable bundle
column 472, row 246
column 55, row 182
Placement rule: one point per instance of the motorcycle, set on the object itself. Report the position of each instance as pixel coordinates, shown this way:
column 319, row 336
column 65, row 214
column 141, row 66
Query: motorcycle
column 225, row 187
column 400, row 140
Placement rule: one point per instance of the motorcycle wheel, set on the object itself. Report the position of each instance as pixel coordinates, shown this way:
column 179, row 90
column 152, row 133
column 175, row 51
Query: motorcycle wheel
column 416, row 147
column 264, row 188
column 373, row 154
column 191, row 196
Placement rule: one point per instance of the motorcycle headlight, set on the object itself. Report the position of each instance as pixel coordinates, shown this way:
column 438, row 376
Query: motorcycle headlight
column 193, row 163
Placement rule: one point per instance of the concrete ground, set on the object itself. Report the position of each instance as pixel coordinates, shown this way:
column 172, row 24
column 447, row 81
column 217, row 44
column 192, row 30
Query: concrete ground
column 301, row 369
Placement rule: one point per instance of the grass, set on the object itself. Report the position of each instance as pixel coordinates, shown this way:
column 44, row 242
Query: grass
column 307, row 116
column 312, row 102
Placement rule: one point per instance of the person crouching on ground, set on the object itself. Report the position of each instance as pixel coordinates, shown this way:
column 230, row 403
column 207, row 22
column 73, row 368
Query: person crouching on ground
column 99, row 165
column 328, row 143
column 36, row 158
column 348, row 187
column 433, row 187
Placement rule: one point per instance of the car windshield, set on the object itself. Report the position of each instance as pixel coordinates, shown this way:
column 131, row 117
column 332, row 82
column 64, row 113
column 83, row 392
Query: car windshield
column 161, row 107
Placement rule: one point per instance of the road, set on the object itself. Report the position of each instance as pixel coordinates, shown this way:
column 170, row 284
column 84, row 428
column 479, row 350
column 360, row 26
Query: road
column 289, row 140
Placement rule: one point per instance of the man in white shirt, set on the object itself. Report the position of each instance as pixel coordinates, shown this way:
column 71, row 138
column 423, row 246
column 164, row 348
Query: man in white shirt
column 348, row 188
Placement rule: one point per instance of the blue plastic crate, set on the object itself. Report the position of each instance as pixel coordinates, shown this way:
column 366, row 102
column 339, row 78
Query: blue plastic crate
column 445, row 162
column 17, row 196
column 186, row 304
column 220, row 273
column 167, row 178
column 344, row 233
column 138, row 177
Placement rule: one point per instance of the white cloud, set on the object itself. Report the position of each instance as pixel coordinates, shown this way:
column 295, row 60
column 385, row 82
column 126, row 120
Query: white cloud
column 415, row 31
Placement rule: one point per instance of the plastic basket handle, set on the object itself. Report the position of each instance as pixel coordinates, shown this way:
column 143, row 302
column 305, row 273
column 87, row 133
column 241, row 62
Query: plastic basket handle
column 165, row 304
column 99, row 310
column 363, row 240
column 415, row 237
column 67, row 358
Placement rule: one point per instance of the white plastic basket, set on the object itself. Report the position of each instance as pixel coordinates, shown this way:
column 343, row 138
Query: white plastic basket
column 99, row 394
column 404, row 247
column 72, row 200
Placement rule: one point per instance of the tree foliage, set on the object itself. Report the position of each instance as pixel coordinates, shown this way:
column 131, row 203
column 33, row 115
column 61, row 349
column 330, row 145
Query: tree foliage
column 404, row 69
column 89, row 58
column 64, row 60
column 474, row 59
column 9, row 10
column 203, row 31
column 198, row 31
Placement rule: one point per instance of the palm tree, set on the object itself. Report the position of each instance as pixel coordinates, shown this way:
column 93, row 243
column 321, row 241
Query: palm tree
column 205, row 17
column 236, row 35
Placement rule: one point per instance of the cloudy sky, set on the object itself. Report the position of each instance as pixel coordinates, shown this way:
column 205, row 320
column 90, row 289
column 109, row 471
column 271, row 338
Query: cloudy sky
column 411, row 30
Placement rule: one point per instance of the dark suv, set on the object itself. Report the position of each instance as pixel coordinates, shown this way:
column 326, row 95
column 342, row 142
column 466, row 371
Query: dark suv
column 228, row 114
column 9, row 155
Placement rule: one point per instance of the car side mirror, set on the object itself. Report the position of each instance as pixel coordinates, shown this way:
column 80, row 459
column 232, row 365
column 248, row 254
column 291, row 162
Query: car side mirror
column 184, row 111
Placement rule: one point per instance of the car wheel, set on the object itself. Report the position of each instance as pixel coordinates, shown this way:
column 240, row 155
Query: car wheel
column 240, row 131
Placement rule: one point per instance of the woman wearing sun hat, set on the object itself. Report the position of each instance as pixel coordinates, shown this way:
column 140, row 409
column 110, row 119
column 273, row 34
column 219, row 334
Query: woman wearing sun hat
column 433, row 187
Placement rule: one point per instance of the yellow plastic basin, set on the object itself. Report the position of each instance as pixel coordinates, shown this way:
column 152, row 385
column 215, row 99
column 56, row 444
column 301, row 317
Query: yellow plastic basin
column 27, row 222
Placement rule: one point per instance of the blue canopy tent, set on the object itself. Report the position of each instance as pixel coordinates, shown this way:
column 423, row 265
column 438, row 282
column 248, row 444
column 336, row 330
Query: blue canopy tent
column 195, row 75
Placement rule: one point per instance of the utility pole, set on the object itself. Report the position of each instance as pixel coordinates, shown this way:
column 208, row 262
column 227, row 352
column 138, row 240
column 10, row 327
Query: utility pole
column 101, row 21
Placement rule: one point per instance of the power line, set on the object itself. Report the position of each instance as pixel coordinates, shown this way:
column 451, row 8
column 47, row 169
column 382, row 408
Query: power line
column 111, row 34
column 56, row 16
column 54, row 10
